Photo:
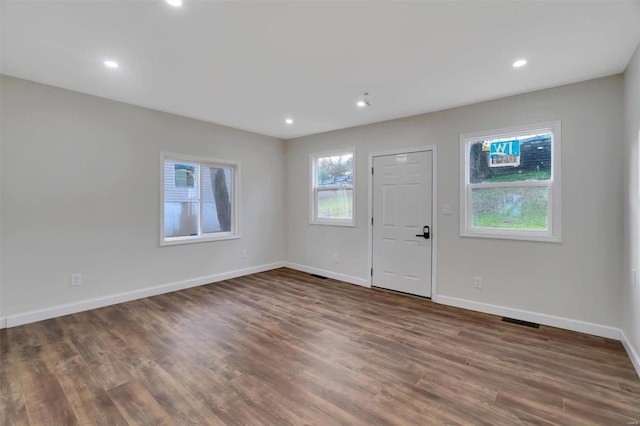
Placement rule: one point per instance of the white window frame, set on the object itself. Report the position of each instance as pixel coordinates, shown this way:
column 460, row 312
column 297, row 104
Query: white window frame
column 313, row 198
column 553, row 233
column 235, row 199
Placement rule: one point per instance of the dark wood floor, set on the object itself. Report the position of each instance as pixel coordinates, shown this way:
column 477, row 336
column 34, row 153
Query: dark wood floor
column 282, row 347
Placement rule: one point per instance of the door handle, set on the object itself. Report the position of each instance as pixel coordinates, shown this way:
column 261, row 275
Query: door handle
column 425, row 233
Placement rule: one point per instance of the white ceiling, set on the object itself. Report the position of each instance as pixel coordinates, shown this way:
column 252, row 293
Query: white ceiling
column 249, row 65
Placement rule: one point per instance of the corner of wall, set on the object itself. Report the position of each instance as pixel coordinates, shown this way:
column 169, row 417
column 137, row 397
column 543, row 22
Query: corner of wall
column 362, row 282
column 2, row 321
column 631, row 351
column 631, row 243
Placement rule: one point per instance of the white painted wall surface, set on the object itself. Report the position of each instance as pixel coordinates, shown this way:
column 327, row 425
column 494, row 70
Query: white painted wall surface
column 80, row 194
column 2, row 317
column 70, row 161
column 631, row 295
column 577, row 279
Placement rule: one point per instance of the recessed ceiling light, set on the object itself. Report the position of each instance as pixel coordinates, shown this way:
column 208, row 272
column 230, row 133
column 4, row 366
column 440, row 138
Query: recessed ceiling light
column 111, row 64
column 361, row 104
column 289, row 121
column 520, row 63
column 174, row 3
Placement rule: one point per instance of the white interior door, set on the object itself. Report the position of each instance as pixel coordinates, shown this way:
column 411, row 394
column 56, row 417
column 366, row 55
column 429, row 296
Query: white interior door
column 402, row 209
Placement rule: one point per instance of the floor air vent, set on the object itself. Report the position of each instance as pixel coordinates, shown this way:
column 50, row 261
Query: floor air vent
column 318, row 276
column 520, row 322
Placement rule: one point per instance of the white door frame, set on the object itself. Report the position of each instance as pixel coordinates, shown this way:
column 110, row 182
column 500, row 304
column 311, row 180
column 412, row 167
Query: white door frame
column 434, row 209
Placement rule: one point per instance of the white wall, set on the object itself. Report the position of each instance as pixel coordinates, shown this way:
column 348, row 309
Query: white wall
column 577, row 279
column 80, row 195
column 70, row 160
column 631, row 296
column 2, row 318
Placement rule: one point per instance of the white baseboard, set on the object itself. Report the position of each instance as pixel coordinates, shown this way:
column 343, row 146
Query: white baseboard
column 550, row 320
column 85, row 305
column 633, row 354
column 336, row 276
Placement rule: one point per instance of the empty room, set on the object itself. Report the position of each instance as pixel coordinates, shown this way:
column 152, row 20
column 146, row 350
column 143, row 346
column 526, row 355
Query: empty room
column 319, row 212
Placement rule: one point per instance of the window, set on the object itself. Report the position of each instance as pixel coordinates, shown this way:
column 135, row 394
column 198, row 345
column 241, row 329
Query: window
column 510, row 183
column 199, row 199
column 332, row 188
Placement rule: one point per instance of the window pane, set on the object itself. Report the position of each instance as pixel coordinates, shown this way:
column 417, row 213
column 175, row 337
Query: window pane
column 181, row 188
column 510, row 208
column 336, row 170
column 522, row 158
column 180, row 219
column 216, row 199
column 335, row 203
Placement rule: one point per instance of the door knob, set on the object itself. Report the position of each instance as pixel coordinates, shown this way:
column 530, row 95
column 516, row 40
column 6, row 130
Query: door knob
column 425, row 233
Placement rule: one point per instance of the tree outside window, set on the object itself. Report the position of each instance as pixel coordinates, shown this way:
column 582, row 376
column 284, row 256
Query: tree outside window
column 199, row 199
column 333, row 188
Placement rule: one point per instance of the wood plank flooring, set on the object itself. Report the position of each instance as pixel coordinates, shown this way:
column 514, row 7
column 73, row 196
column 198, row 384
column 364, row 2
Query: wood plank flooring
column 282, row 347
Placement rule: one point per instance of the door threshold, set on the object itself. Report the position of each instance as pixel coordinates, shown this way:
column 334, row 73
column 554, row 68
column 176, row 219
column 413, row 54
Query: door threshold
column 401, row 293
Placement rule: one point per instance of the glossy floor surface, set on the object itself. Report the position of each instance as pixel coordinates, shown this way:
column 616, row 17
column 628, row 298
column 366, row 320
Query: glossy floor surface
column 282, row 347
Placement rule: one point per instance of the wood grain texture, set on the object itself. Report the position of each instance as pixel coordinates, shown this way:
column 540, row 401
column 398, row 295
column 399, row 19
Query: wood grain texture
column 282, row 347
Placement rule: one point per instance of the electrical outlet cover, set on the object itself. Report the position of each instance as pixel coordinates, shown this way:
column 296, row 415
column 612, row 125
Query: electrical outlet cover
column 477, row 282
column 76, row 280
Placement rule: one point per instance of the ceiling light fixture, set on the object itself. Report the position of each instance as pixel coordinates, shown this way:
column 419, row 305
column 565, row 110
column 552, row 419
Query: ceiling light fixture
column 364, row 101
column 520, row 63
column 289, row 121
column 111, row 64
column 174, row 3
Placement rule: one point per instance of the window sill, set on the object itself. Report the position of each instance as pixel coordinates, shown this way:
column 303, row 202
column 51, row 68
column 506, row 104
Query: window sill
column 493, row 234
column 193, row 240
column 348, row 224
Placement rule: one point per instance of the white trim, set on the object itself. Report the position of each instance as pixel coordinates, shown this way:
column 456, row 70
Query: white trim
column 564, row 323
column 235, row 195
column 313, row 219
column 434, row 221
column 434, row 208
column 554, row 203
column 545, row 319
column 85, row 305
column 325, row 273
column 194, row 239
column 633, row 354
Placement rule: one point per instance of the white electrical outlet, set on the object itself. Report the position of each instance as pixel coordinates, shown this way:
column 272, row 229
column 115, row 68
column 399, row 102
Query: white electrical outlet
column 477, row 282
column 243, row 253
column 334, row 258
column 447, row 209
column 75, row 280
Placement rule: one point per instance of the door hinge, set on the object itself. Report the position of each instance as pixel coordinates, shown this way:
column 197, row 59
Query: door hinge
column 371, row 271
column 372, row 221
column 372, row 170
